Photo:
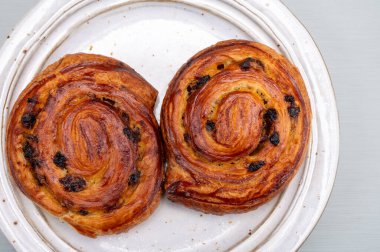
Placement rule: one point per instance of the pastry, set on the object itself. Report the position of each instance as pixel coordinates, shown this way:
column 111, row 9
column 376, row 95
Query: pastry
column 83, row 143
column 236, row 122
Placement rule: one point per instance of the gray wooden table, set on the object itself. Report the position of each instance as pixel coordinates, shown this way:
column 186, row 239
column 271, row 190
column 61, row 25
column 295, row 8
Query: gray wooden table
column 348, row 35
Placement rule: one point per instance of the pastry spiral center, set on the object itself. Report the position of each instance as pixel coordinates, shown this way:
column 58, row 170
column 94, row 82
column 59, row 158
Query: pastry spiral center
column 90, row 144
column 225, row 128
column 238, row 123
column 93, row 143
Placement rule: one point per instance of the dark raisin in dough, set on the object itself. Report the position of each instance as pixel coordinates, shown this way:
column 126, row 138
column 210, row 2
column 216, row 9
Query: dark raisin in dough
column 133, row 135
column 271, row 114
column 275, row 138
column 134, row 178
column 210, row 125
column 28, row 120
column 72, row 183
column 60, row 160
column 254, row 166
column 293, row 111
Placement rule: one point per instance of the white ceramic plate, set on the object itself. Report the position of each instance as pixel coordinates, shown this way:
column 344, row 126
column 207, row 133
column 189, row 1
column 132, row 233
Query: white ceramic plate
column 156, row 38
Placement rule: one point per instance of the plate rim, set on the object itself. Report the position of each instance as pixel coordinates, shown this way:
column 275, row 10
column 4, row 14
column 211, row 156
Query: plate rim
column 308, row 233
column 15, row 42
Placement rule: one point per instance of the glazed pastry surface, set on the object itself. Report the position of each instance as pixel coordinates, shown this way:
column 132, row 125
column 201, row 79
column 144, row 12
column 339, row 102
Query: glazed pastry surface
column 83, row 143
column 236, row 122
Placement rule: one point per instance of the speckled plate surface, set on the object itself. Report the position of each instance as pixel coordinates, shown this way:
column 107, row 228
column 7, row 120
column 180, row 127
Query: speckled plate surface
column 156, row 38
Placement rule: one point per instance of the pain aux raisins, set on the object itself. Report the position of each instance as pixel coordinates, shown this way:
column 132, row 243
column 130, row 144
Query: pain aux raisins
column 28, row 120
column 210, row 125
column 60, row 160
column 134, row 178
column 254, row 166
column 72, row 183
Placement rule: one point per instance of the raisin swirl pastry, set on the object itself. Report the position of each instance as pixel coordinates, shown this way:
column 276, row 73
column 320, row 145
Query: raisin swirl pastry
column 236, row 124
column 83, row 143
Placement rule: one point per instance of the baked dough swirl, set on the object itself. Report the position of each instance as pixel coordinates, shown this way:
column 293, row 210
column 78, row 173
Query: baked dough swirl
column 83, row 143
column 236, row 124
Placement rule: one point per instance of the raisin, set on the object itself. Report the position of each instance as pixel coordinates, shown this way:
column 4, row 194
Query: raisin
column 60, row 160
column 246, row 64
column 133, row 135
column 289, row 98
column 275, row 138
column 220, row 66
column 189, row 89
column 294, row 111
column 186, row 136
column 210, row 125
column 30, row 154
column 254, row 166
column 28, row 120
column 125, row 117
column 201, row 81
column 134, row 177
column 28, row 150
column 83, row 212
column 72, row 183
column 271, row 114
column 109, row 101
column 32, row 100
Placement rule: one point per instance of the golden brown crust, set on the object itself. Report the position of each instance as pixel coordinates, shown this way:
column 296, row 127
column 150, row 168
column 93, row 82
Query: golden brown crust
column 83, row 143
column 236, row 123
